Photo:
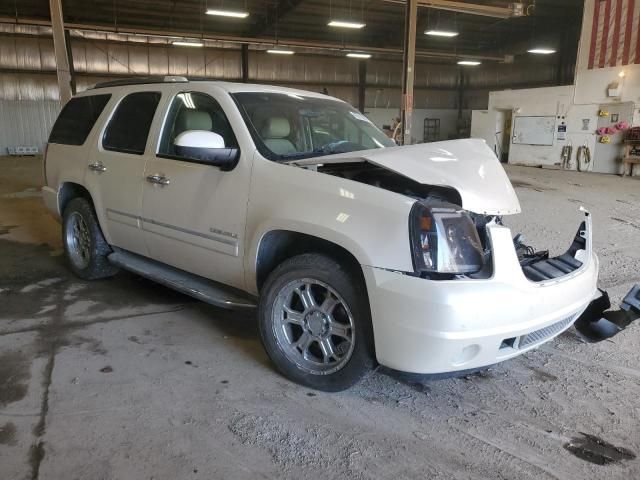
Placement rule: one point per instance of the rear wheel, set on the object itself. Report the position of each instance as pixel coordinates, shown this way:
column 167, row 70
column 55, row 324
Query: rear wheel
column 315, row 323
column 84, row 245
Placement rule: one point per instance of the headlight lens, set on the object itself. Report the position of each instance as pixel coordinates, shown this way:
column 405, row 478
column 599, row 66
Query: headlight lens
column 444, row 240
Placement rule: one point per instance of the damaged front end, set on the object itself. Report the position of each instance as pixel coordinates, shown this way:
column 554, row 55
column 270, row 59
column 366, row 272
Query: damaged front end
column 598, row 322
column 538, row 267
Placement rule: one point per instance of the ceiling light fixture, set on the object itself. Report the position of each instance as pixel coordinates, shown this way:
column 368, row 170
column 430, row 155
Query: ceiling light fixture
column 471, row 63
column 441, row 33
column 358, row 55
column 280, row 52
column 542, row 51
column 227, row 13
column 181, row 43
column 345, row 24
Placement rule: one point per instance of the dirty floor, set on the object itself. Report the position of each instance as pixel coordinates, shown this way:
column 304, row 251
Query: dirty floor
column 124, row 379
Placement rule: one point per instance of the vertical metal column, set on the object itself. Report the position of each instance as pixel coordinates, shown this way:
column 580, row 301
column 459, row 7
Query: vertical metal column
column 362, row 84
column 408, row 68
column 60, row 49
column 245, row 62
column 72, row 72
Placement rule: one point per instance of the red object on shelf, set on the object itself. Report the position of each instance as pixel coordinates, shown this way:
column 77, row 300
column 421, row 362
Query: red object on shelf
column 633, row 133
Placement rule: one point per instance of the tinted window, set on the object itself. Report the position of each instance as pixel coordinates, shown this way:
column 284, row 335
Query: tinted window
column 77, row 119
column 195, row 111
column 129, row 127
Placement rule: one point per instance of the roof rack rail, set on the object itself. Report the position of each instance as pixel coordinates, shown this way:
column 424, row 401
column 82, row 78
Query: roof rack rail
column 141, row 81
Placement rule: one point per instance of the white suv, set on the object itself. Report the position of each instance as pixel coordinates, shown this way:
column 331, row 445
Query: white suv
column 353, row 250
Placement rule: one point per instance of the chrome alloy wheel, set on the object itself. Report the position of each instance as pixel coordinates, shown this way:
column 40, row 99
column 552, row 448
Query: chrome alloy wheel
column 313, row 326
column 78, row 239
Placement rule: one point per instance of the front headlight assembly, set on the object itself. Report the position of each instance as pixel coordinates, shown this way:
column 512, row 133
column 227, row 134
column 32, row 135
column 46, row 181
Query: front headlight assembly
column 444, row 240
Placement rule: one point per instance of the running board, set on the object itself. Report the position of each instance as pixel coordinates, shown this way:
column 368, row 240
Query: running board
column 193, row 285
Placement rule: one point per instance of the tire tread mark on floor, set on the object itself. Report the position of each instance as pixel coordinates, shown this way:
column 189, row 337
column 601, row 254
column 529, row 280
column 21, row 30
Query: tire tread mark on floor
column 49, row 345
column 624, row 371
column 507, row 452
column 80, row 325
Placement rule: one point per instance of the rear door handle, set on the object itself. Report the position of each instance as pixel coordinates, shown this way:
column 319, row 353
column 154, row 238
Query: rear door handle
column 158, row 180
column 97, row 167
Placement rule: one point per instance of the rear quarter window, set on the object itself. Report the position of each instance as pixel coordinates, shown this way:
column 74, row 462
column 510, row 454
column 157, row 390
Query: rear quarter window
column 77, row 118
column 128, row 129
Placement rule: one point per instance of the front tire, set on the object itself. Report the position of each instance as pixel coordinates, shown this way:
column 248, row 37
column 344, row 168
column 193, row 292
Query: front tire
column 84, row 245
column 315, row 323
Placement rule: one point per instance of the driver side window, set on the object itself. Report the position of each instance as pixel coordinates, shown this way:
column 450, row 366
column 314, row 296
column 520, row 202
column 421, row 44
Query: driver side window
column 194, row 111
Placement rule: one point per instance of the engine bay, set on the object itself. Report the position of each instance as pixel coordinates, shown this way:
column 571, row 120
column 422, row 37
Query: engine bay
column 374, row 175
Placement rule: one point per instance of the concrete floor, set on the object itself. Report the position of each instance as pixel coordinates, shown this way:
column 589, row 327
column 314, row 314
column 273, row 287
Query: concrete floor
column 124, row 379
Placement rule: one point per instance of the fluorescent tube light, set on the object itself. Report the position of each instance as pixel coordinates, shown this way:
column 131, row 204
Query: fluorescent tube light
column 472, row 63
column 181, row 43
column 345, row 24
column 441, row 33
column 280, row 52
column 358, row 55
column 542, row 51
column 227, row 13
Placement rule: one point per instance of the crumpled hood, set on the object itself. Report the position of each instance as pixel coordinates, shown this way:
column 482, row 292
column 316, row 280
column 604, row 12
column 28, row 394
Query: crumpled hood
column 467, row 165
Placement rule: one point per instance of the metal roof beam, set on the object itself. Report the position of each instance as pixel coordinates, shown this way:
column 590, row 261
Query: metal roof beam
column 275, row 14
column 512, row 9
column 264, row 41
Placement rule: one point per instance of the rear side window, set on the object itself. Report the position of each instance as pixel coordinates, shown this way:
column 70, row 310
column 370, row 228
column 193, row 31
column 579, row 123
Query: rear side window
column 77, row 119
column 128, row 129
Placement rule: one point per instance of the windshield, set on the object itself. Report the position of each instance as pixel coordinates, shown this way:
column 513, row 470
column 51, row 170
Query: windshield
column 290, row 126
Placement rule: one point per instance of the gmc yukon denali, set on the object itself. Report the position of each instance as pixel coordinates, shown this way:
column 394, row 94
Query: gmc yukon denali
column 353, row 250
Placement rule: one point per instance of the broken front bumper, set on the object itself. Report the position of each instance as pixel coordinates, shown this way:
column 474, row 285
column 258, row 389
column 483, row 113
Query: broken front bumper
column 437, row 326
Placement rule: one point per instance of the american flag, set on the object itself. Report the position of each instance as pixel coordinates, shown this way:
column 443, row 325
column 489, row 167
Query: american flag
column 615, row 36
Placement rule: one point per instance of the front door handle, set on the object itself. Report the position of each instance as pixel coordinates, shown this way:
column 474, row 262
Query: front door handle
column 97, row 167
column 158, row 180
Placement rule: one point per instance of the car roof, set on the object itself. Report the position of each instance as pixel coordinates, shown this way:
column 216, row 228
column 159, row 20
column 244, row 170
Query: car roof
column 230, row 87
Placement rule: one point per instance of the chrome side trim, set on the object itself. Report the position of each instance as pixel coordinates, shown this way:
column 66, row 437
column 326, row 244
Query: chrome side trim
column 124, row 214
column 233, row 243
column 226, row 241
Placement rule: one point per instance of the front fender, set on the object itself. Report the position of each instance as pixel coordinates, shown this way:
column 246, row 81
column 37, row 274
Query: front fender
column 369, row 222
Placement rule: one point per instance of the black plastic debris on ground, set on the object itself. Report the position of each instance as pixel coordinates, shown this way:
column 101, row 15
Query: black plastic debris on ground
column 598, row 323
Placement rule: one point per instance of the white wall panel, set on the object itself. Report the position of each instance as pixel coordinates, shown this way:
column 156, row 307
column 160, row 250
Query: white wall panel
column 26, row 122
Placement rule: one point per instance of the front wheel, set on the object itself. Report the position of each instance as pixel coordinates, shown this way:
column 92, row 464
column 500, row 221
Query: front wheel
column 315, row 323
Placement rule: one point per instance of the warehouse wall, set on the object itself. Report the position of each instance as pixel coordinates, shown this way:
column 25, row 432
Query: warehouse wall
column 448, row 120
column 591, row 84
column 27, row 74
column 578, row 102
column 26, row 122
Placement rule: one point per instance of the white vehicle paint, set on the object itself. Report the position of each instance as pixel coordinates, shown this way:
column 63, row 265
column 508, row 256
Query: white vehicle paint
column 467, row 165
column 223, row 224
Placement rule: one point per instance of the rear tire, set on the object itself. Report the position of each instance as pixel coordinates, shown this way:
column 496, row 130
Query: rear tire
column 84, row 245
column 315, row 323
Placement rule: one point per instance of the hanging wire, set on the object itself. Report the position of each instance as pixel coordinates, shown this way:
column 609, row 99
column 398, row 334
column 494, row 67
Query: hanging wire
column 115, row 15
column 277, row 20
column 202, row 14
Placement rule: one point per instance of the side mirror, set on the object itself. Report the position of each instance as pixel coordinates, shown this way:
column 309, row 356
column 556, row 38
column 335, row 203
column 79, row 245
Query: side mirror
column 206, row 147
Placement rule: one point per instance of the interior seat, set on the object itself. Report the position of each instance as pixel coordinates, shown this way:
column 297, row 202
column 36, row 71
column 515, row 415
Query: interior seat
column 189, row 119
column 274, row 134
